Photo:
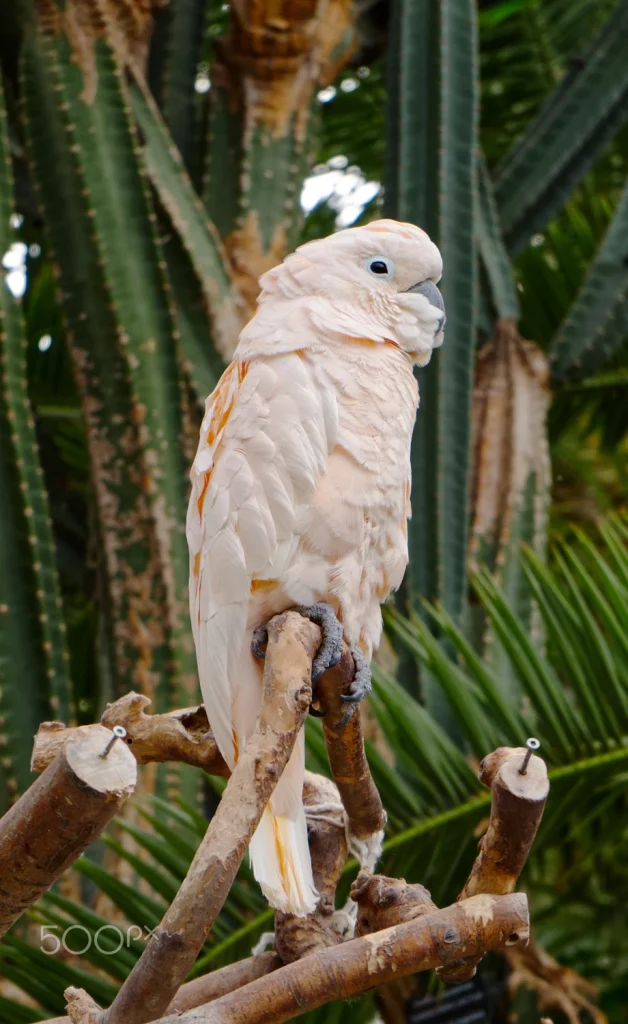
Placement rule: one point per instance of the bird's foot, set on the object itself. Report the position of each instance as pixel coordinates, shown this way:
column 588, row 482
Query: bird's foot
column 361, row 685
column 330, row 651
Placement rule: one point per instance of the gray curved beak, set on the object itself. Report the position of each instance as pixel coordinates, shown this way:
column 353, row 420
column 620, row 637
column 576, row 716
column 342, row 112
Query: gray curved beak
column 429, row 290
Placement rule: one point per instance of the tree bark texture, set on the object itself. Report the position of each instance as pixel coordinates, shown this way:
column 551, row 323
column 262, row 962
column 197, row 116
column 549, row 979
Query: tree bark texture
column 221, row 982
column 341, row 972
column 176, row 736
column 517, row 806
column 58, row 817
column 383, row 902
column 192, row 994
column 345, row 749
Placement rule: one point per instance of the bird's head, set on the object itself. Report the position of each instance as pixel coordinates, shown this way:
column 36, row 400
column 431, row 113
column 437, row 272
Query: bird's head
column 377, row 282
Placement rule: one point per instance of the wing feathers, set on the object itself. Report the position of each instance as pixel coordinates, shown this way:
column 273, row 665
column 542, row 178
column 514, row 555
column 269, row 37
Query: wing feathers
column 265, row 440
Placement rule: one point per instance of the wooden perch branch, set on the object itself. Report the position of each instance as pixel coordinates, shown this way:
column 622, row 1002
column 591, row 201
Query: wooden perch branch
column 192, row 994
column 185, row 736
column 176, row 736
column 383, row 902
column 60, row 815
column 517, row 806
column 399, row 932
column 221, row 982
column 171, row 952
column 345, row 749
column 346, row 970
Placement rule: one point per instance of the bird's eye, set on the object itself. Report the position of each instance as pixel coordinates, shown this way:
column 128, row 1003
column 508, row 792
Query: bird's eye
column 380, row 266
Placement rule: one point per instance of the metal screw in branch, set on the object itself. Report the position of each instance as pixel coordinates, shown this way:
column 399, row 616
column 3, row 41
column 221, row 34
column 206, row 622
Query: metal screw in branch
column 119, row 732
column 532, row 744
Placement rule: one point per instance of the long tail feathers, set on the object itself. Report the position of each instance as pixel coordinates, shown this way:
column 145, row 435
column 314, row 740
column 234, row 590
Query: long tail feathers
column 279, row 850
column 281, row 863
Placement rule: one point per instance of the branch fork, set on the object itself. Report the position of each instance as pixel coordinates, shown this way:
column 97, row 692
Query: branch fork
column 399, row 929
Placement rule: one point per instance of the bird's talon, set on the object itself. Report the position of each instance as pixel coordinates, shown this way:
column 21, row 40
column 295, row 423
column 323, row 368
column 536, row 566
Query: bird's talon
column 322, row 662
column 361, row 684
column 346, row 718
column 258, row 642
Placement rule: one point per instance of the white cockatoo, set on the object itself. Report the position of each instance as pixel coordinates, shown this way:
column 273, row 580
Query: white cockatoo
column 301, row 487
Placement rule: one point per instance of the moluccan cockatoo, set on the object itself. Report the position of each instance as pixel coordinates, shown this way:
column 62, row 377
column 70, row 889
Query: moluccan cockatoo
column 301, row 488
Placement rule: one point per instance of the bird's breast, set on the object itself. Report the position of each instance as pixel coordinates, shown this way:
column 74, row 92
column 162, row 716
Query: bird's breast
column 377, row 398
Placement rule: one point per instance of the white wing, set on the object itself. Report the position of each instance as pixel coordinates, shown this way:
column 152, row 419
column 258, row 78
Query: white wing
column 265, row 440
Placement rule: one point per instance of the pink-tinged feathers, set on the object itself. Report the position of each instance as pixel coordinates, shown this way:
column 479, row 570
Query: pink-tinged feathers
column 326, row 293
column 300, row 486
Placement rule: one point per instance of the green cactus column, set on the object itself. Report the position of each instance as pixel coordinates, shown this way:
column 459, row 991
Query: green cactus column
column 34, row 680
column 262, row 127
column 431, row 181
column 125, row 353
